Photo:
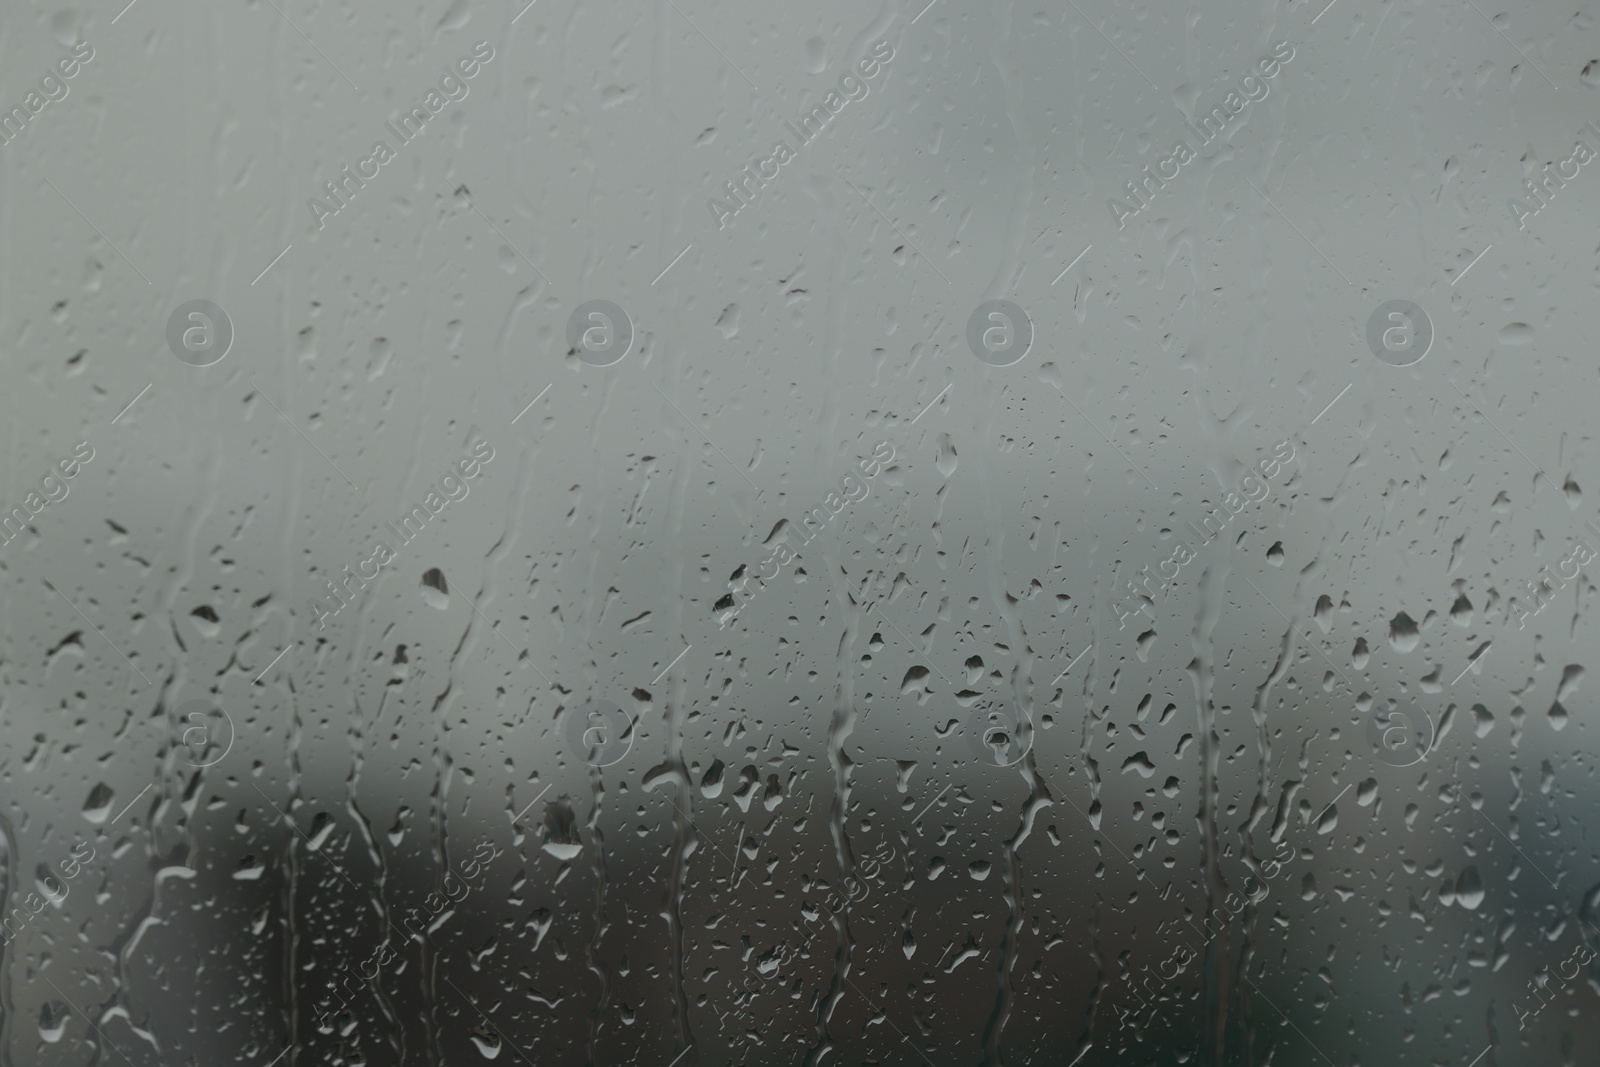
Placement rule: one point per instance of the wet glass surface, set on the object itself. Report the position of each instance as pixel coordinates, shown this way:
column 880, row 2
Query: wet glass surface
column 694, row 534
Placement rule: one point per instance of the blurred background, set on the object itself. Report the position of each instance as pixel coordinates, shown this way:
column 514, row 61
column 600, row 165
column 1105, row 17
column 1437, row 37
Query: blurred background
column 487, row 576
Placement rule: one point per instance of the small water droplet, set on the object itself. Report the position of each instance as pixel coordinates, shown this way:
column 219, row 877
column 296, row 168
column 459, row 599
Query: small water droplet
column 435, row 591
